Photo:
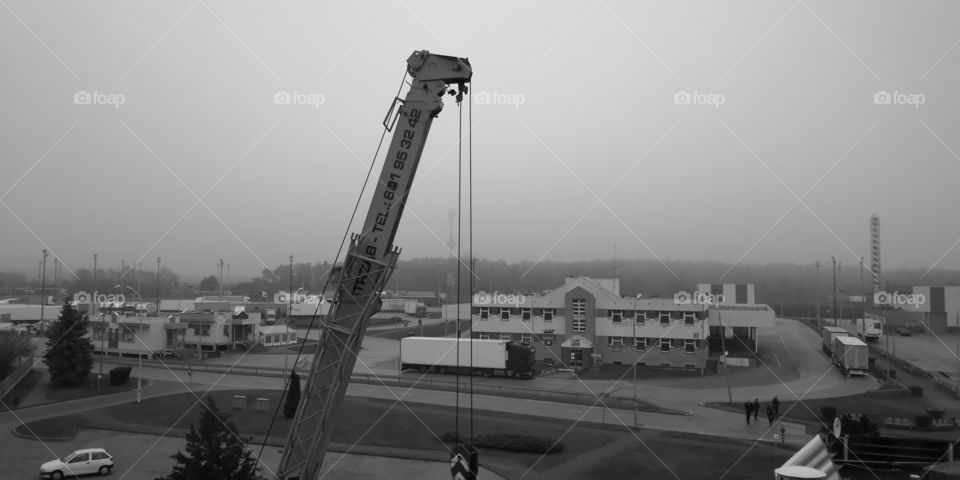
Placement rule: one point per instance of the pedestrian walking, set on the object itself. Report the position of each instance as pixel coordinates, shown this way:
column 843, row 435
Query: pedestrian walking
column 776, row 406
column 756, row 408
column 748, row 407
column 770, row 414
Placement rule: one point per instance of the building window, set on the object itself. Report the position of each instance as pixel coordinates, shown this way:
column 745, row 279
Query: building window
column 504, row 314
column 548, row 339
column 526, row 338
column 98, row 334
column 525, row 314
column 127, row 335
column 616, row 316
column 484, row 336
column 664, row 345
column 504, row 336
column 579, row 315
column 547, row 314
column 226, row 330
column 484, row 313
column 201, row 330
column 691, row 347
column 641, row 343
column 615, row 342
column 688, row 318
column 640, row 318
column 664, row 319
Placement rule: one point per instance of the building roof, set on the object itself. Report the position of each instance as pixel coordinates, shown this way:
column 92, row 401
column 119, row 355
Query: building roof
column 601, row 290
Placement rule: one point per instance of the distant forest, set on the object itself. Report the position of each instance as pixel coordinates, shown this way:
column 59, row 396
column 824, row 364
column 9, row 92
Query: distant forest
column 777, row 284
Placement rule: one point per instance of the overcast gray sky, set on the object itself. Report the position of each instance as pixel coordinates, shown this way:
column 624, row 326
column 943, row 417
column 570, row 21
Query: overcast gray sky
column 728, row 131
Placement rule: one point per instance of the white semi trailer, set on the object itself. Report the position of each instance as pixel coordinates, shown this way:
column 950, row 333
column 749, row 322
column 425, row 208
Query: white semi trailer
column 851, row 355
column 828, row 333
column 490, row 357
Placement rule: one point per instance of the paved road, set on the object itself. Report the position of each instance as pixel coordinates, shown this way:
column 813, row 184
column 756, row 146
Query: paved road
column 141, row 456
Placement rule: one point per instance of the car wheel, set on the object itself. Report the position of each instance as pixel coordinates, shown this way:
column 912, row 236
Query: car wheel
column 104, row 470
column 56, row 476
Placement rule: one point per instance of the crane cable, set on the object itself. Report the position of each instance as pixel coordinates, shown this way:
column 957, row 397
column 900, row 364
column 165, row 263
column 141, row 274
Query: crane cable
column 470, row 239
column 456, row 429
column 460, row 257
column 343, row 240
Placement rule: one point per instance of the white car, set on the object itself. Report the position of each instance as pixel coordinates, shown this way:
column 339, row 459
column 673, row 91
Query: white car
column 80, row 462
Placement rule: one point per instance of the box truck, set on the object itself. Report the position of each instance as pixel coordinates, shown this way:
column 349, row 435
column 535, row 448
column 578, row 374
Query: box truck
column 828, row 334
column 850, row 354
column 869, row 329
column 490, row 357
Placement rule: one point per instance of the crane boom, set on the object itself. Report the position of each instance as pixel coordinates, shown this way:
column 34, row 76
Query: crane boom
column 367, row 266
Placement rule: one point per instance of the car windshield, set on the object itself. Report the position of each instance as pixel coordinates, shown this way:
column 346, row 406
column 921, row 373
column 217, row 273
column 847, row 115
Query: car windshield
column 67, row 458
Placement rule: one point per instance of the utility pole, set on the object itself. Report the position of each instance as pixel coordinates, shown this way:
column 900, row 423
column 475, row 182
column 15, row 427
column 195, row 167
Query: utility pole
column 43, row 285
column 290, row 294
column 863, row 295
column 819, row 326
column 93, row 304
column 123, row 271
column 139, row 277
column 56, row 274
column 840, row 287
column 158, row 286
column 834, row 260
column 220, row 281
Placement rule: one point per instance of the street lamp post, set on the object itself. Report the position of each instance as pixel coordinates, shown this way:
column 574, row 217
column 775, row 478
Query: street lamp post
column 635, row 359
column 290, row 296
column 726, row 354
column 43, row 285
column 819, row 326
column 834, row 260
column 139, row 354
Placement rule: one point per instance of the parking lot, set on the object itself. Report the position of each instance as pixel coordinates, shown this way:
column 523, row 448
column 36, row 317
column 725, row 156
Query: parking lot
column 931, row 352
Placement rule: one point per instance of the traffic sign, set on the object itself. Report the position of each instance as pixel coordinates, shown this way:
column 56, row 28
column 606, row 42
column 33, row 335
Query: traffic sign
column 463, row 462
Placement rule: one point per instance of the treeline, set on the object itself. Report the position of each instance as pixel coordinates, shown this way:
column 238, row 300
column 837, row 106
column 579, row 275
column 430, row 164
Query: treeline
column 777, row 284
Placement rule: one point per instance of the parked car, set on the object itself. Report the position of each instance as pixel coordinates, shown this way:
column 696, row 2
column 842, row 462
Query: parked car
column 903, row 332
column 80, row 462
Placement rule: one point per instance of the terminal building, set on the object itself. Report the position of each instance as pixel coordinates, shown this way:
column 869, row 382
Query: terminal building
column 586, row 322
column 936, row 308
